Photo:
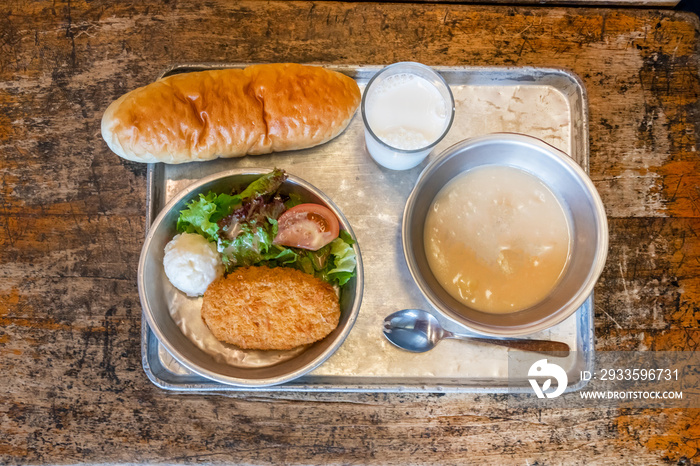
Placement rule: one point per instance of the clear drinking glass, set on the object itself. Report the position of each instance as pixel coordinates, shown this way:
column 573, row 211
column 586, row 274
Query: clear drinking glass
column 407, row 108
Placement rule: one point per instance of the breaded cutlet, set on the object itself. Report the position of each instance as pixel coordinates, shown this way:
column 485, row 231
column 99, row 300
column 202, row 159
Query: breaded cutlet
column 270, row 308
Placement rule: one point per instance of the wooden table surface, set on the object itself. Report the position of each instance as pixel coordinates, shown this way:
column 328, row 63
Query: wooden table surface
column 72, row 224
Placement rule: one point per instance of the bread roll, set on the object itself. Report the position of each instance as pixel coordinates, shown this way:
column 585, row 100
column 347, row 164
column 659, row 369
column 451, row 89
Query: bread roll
column 230, row 113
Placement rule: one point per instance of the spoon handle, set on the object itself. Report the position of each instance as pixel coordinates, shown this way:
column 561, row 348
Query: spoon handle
column 536, row 346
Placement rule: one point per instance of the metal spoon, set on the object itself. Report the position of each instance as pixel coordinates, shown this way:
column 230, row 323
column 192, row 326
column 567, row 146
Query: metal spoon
column 419, row 331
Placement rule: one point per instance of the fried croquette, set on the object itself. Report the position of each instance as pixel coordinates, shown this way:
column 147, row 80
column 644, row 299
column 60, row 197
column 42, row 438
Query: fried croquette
column 270, row 308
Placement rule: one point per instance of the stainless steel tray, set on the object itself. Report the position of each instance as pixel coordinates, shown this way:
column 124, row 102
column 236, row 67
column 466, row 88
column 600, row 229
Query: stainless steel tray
column 550, row 104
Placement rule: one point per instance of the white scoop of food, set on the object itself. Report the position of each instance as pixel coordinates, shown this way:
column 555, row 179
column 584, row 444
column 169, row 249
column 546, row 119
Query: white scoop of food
column 192, row 263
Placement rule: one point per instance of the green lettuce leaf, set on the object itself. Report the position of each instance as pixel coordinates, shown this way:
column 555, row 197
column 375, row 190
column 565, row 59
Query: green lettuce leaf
column 266, row 184
column 294, row 200
column 286, row 256
column 252, row 245
column 200, row 215
column 344, row 260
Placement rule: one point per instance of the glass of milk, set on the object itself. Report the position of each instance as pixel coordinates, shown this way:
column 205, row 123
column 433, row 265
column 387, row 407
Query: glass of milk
column 407, row 108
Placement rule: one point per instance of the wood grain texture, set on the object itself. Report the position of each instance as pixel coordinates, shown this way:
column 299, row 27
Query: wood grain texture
column 72, row 224
column 588, row 3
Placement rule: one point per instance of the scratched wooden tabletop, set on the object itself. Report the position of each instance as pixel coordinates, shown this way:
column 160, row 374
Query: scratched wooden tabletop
column 72, row 224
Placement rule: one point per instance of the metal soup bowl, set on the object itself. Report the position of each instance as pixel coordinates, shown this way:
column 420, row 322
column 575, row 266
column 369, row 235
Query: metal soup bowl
column 157, row 294
column 574, row 190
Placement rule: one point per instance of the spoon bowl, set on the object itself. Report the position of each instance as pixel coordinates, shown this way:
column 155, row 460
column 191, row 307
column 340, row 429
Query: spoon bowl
column 419, row 331
column 413, row 330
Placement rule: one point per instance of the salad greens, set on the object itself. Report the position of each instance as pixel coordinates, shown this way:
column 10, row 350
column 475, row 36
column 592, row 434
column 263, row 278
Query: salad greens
column 202, row 215
column 244, row 226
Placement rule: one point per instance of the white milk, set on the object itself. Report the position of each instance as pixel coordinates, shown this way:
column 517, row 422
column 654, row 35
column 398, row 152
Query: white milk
column 406, row 112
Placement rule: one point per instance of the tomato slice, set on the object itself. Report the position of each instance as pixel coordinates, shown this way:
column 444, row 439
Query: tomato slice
column 307, row 226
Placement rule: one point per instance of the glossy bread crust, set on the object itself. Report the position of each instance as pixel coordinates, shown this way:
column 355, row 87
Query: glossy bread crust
column 230, row 113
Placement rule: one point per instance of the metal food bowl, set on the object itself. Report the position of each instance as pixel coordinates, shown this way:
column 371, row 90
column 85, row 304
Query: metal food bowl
column 157, row 295
column 574, row 190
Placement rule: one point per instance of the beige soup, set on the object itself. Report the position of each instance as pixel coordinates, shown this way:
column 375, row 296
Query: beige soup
column 497, row 239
